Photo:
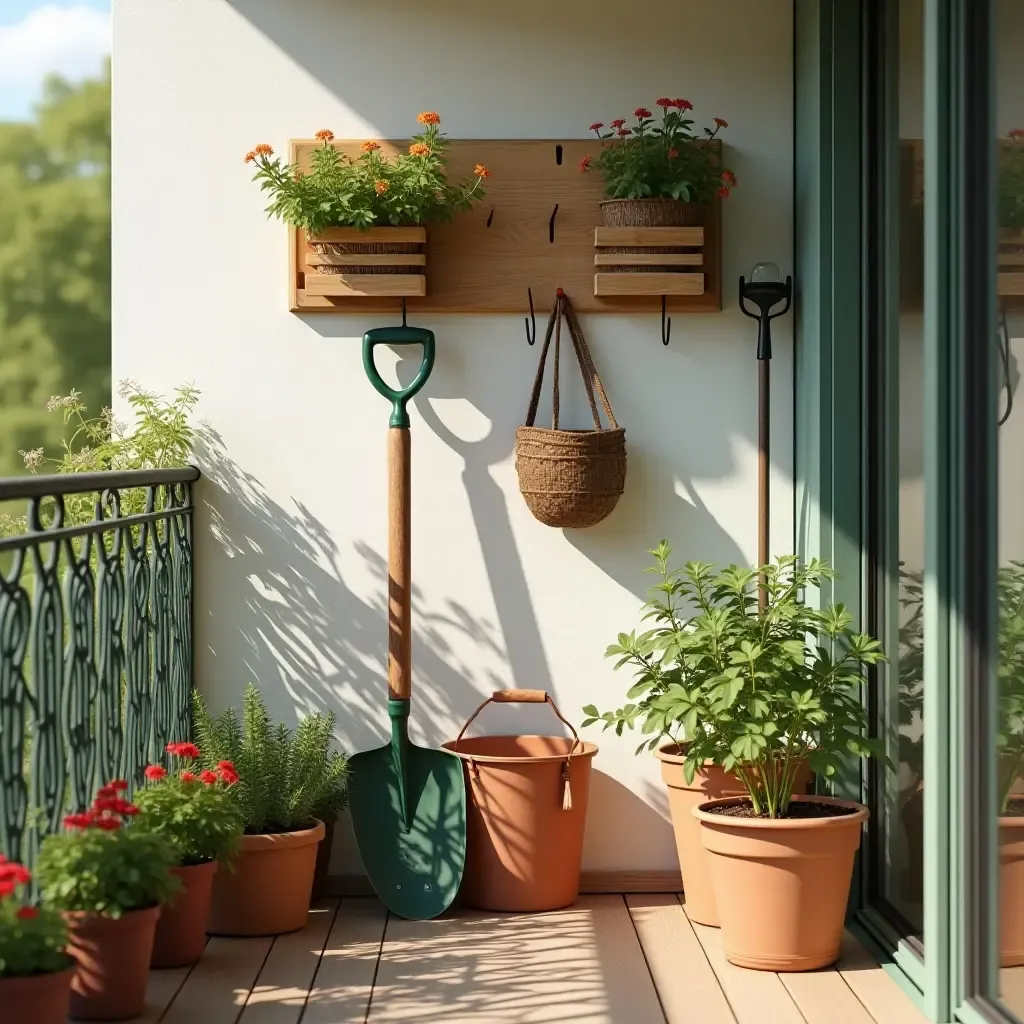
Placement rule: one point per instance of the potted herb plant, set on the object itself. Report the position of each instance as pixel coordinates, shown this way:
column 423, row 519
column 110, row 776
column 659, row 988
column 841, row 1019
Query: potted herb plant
column 194, row 812
column 109, row 879
column 668, row 655
column 283, row 778
column 659, row 173
column 35, row 969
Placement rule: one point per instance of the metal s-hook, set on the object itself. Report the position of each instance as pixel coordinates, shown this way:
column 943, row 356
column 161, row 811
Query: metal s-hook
column 530, row 321
column 666, row 323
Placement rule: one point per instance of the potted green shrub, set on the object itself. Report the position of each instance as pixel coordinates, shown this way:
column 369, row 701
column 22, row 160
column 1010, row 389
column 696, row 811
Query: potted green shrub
column 665, row 656
column 194, row 812
column 659, row 173
column 35, row 969
column 283, row 778
column 109, row 880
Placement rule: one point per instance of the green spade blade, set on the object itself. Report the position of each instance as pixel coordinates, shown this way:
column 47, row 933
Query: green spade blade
column 411, row 831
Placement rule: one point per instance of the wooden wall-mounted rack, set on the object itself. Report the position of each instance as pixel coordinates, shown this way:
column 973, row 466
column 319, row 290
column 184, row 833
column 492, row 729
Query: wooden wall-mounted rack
column 622, row 268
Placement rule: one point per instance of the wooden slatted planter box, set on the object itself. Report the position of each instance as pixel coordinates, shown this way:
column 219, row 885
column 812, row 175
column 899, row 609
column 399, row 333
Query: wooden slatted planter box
column 1011, row 262
column 349, row 263
column 648, row 261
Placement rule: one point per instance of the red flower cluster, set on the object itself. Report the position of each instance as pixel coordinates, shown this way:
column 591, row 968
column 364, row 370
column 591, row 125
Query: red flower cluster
column 597, row 126
column 584, row 164
column 641, row 112
column 155, row 772
column 1015, row 133
column 618, row 122
column 188, row 777
column 227, row 772
column 183, row 750
column 664, row 103
column 721, row 123
column 12, row 875
column 108, row 809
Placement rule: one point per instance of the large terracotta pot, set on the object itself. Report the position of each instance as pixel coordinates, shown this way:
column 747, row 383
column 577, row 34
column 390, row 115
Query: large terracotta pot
column 1011, row 891
column 269, row 890
column 37, row 998
column 113, row 957
column 709, row 783
column 781, row 885
column 181, row 930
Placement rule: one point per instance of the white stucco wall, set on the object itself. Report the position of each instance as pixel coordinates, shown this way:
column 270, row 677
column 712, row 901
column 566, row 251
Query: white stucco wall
column 291, row 545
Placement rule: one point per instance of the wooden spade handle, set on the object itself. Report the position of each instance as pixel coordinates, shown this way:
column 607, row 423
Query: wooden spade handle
column 399, row 564
column 519, row 696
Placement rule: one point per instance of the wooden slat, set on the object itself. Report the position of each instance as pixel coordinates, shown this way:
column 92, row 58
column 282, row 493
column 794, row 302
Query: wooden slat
column 687, row 985
column 161, row 988
column 1011, row 236
column 648, row 259
column 218, row 986
column 366, row 259
column 372, row 235
column 1011, row 259
column 279, row 995
column 756, row 997
column 884, row 1000
column 362, row 285
column 340, row 993
column 583, row 964
column 1011, row 284
column 649, row 236
column 823, row 997
column 607, row 285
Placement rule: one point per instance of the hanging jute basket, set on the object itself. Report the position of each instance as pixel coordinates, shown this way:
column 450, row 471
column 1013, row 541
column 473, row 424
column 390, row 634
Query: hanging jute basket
column 570, row 478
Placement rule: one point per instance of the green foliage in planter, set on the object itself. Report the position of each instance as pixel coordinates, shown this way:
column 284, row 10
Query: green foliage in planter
column 32, row 939
column 285, row 777
column 1010, row 193
column 751, row 690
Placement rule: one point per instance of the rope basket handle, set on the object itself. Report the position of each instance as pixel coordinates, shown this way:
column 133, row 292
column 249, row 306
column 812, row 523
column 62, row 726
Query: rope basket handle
column 591, row 380
column 529, row 697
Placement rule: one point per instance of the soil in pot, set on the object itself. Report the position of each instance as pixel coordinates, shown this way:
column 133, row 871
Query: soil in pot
column 269, row 890
column 709, row 783
column 781, row 885
column 181, row 931
column 112, row 956
column 1011, row 884
column 37, row 998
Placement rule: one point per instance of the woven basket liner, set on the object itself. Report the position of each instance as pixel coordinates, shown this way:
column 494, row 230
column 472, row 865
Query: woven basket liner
column 570, row 478
column 346, row 248
column 650, row 213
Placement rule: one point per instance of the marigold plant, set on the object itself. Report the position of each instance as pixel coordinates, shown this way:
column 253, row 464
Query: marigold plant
column 103, row 865
column 660, row 158
column 370, row 190
column 196, row 814
column 32, row 939
column 1011, row 181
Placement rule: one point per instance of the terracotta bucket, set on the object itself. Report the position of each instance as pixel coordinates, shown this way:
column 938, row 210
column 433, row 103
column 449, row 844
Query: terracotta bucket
column 181, row 931
column 113, row 957
column 782, row 885
column 526, row 812
column 1011, row 891
column 37, row 998
column 710, row 783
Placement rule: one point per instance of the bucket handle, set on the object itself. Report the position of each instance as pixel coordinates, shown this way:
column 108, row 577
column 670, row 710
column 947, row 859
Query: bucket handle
column 530, row 697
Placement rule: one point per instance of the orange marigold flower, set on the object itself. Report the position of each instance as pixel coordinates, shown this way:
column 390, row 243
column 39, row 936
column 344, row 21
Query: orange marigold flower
column 419, row 149
column 250, row 156
column 381, row 187
column 721, row 123
column 264, row 150
column 428, row 117
column 325, row 135
column 369, row 147
column 481, row 172
column 641, row 112
column 584, row 164
column 664, row 103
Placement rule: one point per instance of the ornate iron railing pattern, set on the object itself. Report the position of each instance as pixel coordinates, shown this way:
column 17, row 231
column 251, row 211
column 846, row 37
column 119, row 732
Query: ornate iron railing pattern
column 95, row 640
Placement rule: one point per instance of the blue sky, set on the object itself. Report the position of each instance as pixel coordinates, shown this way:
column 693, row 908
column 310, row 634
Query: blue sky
column 69, row 37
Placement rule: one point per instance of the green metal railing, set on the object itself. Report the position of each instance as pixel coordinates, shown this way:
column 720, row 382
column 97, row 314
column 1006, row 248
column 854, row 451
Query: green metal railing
column 95, row 639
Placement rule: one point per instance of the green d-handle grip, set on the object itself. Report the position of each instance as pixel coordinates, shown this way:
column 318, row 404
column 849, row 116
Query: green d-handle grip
column 398, row 336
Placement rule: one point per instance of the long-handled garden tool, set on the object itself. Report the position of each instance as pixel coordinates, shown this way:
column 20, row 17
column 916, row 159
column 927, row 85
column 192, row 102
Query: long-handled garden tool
column 408, row 802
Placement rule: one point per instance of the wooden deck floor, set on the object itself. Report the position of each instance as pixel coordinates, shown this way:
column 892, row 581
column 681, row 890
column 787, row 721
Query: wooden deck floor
column 607, row 960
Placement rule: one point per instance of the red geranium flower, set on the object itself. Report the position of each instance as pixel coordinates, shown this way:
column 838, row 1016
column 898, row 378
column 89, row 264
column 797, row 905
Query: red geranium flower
column 118, row 785
column 641, row 112
column 618, row 122
column 79, row 820
column 729, row 178
column 622, row 132
column 208, row 777
column 16, row 873
column 128, row 810
column 187, row 777
column 108, row 824
column 584, row 164
column 105, row 803
column 226, row 765
column 26, row 913
column 724, row 192
column 186, row 750
column 106, row 793
column 721, row 123
column 229, row 776
column 155, row 771
column 1016, row 133
column 682, row 104
column 597, row 126
column 664, row 103
column 6, row 888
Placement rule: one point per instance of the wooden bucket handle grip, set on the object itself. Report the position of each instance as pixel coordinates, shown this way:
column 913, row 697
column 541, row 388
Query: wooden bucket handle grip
column 519, row 696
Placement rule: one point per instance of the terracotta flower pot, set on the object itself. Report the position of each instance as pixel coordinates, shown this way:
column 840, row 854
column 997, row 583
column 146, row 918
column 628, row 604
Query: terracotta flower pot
column 181, row 930
column 781, row 885
column 1011, row 891
column 113, row 957
column 269, row 890
column 708, row 784
column 37, row 998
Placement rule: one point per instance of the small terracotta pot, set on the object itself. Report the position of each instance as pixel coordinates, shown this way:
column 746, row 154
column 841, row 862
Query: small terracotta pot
column 1011, row 891
column 708, row 784
column 323, row 861
column 113, row 957
column 269, row 890
column 37, row 998
column 181, row 931
column 781, row 885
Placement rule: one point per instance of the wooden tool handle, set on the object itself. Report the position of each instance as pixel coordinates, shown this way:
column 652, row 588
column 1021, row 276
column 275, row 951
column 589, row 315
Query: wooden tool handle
column 519, row 696
column 399, row 564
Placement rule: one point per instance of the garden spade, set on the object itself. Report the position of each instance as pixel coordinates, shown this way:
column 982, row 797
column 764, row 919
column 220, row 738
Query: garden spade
column 408, row 802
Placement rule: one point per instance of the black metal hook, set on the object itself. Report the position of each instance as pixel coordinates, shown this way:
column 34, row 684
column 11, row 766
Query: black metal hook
column 551, row 224
column 530, row 321
column 490, row 217
column 403, row 312
column 666, row 323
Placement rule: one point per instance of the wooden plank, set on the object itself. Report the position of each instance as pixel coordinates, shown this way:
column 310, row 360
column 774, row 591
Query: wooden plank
column 218, row 986
column 609, row 285
column 686, row 984
column 363, row 285
column 693, row 237
column 1011, row 259
column 884, row 1000
column 279, row 994
column 366, row 259
column 1011, row 236
column 583, row 964
column 372, row 235
column 1011, row 284
column 340, row 993
column 823, row 997
column 161, row 988
column 648, row 259
column 756, row 997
